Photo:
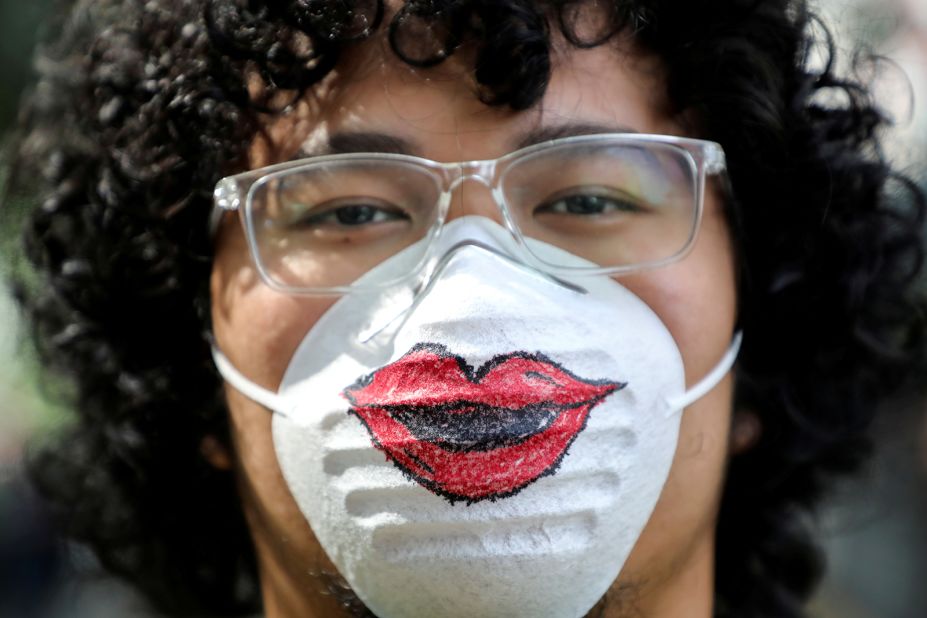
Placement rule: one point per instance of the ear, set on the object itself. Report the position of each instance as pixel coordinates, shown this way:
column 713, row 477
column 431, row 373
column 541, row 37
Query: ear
column 746, row 430
column 215, row 453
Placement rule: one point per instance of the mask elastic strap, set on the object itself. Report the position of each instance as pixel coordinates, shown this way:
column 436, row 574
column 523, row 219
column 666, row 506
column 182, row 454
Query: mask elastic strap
column 246, row 387
column 701, row 388
column 276, row 403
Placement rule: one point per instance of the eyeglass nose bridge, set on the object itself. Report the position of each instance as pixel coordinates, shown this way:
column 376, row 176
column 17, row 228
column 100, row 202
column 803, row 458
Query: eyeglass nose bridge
column 483, row 172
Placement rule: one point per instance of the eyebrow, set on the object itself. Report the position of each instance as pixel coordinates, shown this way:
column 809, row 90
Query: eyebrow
column 371, row 141
column 360, row 141
column 571, row 129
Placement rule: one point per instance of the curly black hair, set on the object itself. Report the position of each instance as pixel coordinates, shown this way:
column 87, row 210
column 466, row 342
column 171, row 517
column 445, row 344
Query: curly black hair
column 140, row 107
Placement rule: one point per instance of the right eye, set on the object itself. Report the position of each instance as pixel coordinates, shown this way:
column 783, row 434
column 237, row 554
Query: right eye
column 345, row 214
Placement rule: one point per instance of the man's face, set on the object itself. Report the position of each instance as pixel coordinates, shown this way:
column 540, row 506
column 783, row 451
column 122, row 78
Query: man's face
column 435, row 111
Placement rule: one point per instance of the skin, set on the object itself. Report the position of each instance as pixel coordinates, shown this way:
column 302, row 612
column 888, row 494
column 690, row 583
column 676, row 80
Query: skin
column 670, row 571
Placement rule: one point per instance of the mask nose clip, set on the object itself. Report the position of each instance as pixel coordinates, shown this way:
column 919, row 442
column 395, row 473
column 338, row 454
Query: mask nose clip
column 451, row 251
column 428, row 281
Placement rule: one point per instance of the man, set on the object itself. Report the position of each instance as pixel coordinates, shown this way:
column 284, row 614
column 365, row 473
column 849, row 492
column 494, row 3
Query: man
column 453, row 336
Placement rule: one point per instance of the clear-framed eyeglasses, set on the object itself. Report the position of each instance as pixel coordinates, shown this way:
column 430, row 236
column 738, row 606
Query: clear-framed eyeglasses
column 623, row 202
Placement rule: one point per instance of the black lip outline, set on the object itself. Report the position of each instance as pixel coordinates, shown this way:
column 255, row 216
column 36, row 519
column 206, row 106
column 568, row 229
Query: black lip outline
column 474, row 375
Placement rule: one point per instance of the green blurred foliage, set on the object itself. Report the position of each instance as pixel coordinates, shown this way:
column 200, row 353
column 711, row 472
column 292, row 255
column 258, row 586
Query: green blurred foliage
column 24, row 408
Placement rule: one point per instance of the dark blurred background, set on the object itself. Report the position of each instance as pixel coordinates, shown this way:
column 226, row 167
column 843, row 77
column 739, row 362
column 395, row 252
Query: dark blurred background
column 29, row 556
column 19, row 22
column 875, row 528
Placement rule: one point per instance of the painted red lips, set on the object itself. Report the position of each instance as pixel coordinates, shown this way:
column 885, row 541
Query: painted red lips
column 474, row 434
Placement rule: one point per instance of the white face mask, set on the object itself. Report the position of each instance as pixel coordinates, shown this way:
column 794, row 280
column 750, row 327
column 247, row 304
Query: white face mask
column 492, row 445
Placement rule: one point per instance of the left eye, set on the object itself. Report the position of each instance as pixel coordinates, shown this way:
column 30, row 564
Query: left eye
column 589, row 204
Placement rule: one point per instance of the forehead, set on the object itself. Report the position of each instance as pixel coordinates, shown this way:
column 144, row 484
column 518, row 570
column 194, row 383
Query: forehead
column 438, row 113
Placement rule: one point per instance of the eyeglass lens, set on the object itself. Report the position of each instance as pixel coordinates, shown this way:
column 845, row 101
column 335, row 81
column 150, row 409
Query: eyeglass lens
column 613, row 204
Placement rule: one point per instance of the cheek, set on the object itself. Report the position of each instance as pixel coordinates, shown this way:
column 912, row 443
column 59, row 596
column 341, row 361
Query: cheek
column 696, row 298
column 257, row 328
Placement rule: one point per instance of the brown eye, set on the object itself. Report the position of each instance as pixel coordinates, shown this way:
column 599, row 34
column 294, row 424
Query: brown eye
column 586, row 202
column 347, row 212
column 356, row 215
